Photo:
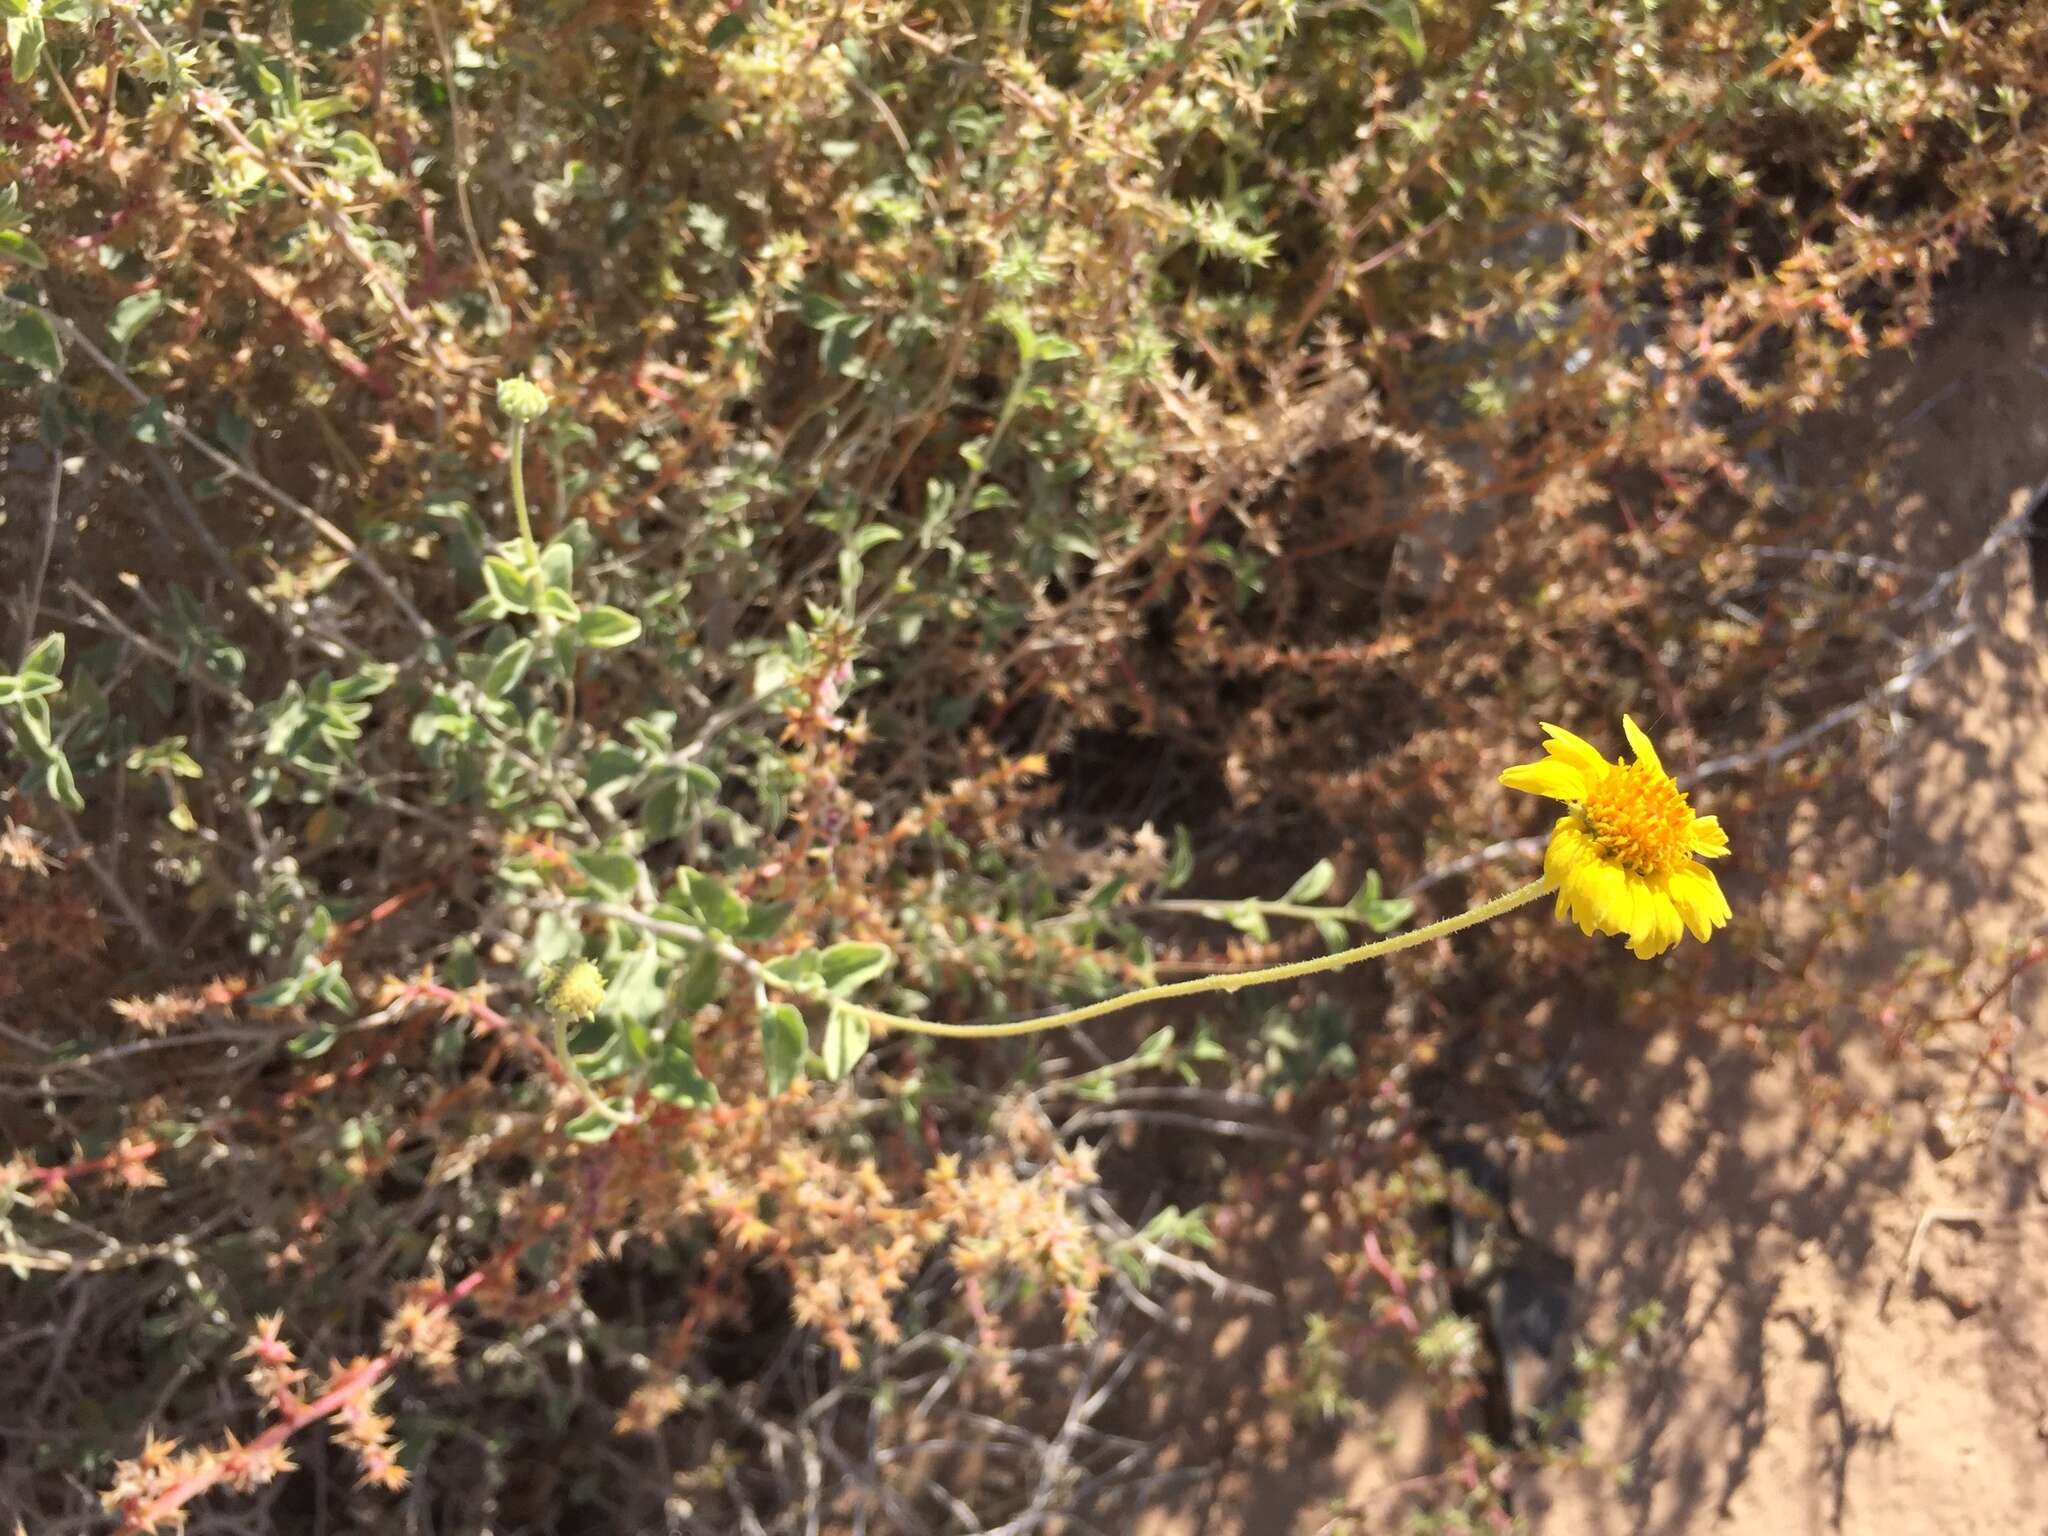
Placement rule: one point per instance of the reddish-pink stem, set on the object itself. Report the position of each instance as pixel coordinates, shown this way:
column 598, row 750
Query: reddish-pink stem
column 1402, row 1313
column 128, row 1152
column 147, row 1516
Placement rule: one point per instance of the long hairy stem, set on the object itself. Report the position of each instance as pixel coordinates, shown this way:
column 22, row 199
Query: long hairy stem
column 1225, row 981
column 581, row 1083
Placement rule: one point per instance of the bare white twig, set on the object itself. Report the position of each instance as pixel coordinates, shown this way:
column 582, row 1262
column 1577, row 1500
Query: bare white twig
column 1507, row 848
column 1244, row 1130
column 1213, row 1280
column 32, row 599
column 1863, row 565
column 458, row 125
column 1909, row 1265
column 1883, row 696
column 2007, row 530
column 336, row 648
column 1921, row 663
column 195, row 675
column 234, row 469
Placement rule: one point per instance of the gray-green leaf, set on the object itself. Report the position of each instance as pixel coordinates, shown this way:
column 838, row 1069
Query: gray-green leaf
column 606, row 628
column 25, row 37
column 508, row 584
column 133, row 313
column 508, row 667
column 1386, row 916
column 720, row 908
column 614, row 873
column 47, row 658
column 28, row 338
column 330, row 24
column 592, row 1125
column 676, row 1080
column 317, row 1041
column 783, row 1041
column 1404, row 20
column 702, row 980
column 17, row 247
column 57, row 781
column 1248, row 919
column 1314, row 884
column 847, row 967
column 846, row 1041
column 634, row 995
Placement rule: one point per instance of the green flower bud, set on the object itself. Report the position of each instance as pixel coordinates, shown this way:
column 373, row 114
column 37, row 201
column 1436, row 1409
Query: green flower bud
column 572, row 991
column 522, row 399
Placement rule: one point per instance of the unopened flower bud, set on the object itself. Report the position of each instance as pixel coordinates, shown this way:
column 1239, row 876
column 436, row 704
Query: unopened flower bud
column 522, row 399
column 573, row 991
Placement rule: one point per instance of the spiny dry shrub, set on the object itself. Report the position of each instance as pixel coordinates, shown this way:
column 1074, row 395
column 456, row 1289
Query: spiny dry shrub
column 972, row 436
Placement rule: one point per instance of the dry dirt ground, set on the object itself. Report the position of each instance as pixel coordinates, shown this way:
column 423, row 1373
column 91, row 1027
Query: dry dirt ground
column 1806, row 1378
column 1810, row 1380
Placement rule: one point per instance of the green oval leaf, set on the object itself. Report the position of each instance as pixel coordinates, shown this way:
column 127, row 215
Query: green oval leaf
column 1386, row 916
column 25, row 38
column 716, row 904
column 676, row 1080
column 1404, row 20
column 47, row 659
column 783, row 1042
column 327, row 24
column 133, row 313
column 16, row 246
column 614, row 873
column 846, row 967
column 57, row 782
column 846, row 1041
column 1313, row 885
column 702, row 980
column 592, row 1125
column 508, row 667
column 605, row 628
column 635, row 994
column 508, row 584
column 28, row 338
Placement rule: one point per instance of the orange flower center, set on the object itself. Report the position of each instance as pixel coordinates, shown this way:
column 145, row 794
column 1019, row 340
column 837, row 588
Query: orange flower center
column 1639, row 818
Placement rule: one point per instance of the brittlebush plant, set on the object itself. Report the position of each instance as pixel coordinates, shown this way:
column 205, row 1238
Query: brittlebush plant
column 586, row 569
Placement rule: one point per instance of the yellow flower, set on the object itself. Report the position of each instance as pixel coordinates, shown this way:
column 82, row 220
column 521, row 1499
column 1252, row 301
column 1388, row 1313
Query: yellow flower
column 1624, row 859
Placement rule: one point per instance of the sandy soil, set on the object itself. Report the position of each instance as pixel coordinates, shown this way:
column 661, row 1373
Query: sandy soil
column 1805, row 1379
column 1809, row 1381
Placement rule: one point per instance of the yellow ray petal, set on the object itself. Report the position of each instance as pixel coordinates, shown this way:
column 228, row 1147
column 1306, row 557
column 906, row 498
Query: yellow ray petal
column 1698, row 898
column 1553, row 777
column 1597, row 897
column 1642, row 926
column 1640, row 744
column 1569, row 851
column 1576, row 750
column 1709, row 841
column 1653, row 925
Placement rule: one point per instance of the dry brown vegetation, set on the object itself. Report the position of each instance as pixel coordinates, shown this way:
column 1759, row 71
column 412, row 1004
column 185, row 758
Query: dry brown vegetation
column 1018, row 484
